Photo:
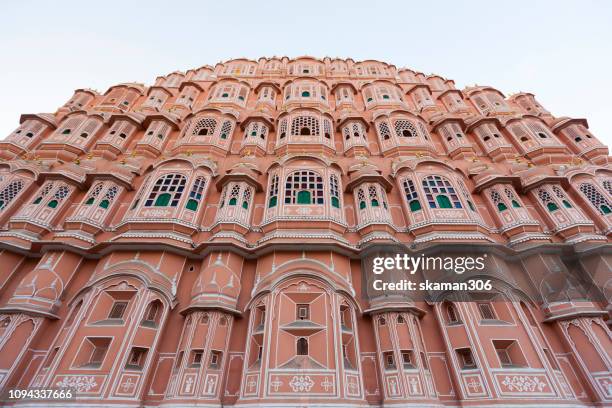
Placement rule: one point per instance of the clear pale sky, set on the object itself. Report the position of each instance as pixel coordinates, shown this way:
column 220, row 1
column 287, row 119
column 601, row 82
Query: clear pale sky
column 559, row 50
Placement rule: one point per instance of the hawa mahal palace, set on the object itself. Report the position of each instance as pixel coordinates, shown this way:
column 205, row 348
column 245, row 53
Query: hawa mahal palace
column 197, row 242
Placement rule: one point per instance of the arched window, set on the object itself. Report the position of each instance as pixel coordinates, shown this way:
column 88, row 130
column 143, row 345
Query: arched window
column 302, row 346
column 440, row 193
column 383, row 131
column 10, row 192
column 167, row 191
column 334, row 190
column 498, row 201
column 282, row 128
column 246, row 198
column 109, row 197
column 547, row 200
column 43, row 192
column 204, row 127
column 226, row 130
column 596, row 199
column 561, row 196
column 305, row 126
column 361, row 199
column 405, row 128
column 59, row 195
column 451, row 313
column 233, row 197
column 373, row 195
column 273, row 192
column 152, row 314
column 195, row 195
column 411, row 195
column 94, row 193
column 513, row 200
column 304, row 187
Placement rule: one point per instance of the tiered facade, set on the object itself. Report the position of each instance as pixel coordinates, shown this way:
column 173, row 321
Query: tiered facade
column 197, row 241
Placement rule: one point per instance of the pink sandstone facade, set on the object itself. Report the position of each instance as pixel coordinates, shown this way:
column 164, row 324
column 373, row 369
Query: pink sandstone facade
column 197, row 242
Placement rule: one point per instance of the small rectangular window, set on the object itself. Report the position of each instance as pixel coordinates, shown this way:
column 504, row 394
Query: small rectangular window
column 196, row 358
column 486, row 311
column 388, row 359
column 407, row 359
column 98, row 351
column 215, row 359
column 303, row 312
column 117, row 310
column 466, row 359
column 137, row 358
column 509, row 353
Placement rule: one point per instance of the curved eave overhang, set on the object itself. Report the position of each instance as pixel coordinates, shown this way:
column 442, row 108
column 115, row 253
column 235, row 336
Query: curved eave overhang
column 564, row 122
column 123, row 180
column 15, row 309
column 47, row 118
column 369, row 177
column 449, row 119
column 343, row 83
column 195, row 161
column 249, row 179
column 520, row 94
column 140, row 88
column 383, row 82
column 257, row 116
column 471, row 125
column 208, row 306
column 216, row 111
column 473, row 90
column 185, row 84
column 414, row 87
column 322, row 159
column 135, row 118
column 449, row 91
column 352, row 117
column 158, row 88
column 411, row 164
column 65, row 174
column 274, row 85
column 92, row 92
column 488, row 180
column 320, row 111
column 398, row 306
column 170, row 118
column 529, row 183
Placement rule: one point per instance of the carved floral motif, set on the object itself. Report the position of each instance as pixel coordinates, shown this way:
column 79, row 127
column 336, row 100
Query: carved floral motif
column 523, row 383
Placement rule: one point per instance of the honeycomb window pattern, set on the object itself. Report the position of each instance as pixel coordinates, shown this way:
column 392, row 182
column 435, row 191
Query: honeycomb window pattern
column 405, row 128
column 383, row 131
column 10, row 192
column 204, row 127
column 597, row 200
column 95, row 192
column 305, row 126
